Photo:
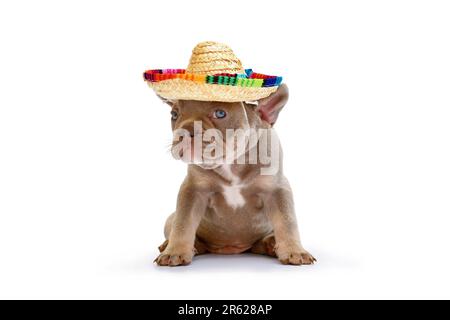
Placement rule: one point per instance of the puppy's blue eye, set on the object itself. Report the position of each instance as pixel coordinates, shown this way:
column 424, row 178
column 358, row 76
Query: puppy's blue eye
column 174, row 115
column 220, row 114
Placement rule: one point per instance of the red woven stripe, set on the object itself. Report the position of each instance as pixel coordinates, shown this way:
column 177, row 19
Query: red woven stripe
column 255, row 75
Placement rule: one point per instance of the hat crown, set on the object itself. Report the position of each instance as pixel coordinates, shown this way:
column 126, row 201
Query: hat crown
column 212, row 58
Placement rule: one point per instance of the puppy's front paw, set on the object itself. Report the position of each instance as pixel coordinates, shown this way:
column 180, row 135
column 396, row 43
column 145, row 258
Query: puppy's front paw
column 174, row 258
column 296, row 257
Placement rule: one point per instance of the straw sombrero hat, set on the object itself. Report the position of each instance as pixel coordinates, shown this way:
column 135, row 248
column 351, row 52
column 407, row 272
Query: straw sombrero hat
column 214, row 73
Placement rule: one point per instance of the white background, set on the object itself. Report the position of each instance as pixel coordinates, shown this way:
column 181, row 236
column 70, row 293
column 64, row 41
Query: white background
column 86, row 181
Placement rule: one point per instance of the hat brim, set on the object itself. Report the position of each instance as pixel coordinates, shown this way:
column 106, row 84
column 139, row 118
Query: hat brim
column 180, row 89
column 176, row 84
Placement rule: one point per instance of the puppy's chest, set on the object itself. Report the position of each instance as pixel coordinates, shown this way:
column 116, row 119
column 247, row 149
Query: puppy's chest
column 236, row 196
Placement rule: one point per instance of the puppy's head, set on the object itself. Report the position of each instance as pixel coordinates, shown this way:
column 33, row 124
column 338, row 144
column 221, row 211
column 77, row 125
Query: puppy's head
column 202, row 129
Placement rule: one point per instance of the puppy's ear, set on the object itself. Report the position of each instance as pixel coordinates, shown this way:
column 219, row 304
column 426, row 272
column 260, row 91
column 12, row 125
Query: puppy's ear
column 270, row 107
column 171, row 103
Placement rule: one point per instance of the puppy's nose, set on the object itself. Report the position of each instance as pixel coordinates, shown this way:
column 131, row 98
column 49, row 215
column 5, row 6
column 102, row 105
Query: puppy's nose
column 189, row 127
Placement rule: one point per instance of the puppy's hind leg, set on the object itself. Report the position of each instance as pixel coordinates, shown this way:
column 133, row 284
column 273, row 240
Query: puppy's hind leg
column 265, row 246
column 268, row 246
column 167, row 230
column 200, row 247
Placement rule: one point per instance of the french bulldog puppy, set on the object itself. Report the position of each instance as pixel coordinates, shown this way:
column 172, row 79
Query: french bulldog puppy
column 232, row 208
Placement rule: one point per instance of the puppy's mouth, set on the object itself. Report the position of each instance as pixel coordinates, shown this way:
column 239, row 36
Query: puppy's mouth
column 194, row 150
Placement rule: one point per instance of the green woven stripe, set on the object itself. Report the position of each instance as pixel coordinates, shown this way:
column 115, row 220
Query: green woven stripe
column 239, row 81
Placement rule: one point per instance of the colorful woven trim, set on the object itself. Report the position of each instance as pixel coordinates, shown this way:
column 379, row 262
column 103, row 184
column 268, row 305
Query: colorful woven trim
column 249, row 79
